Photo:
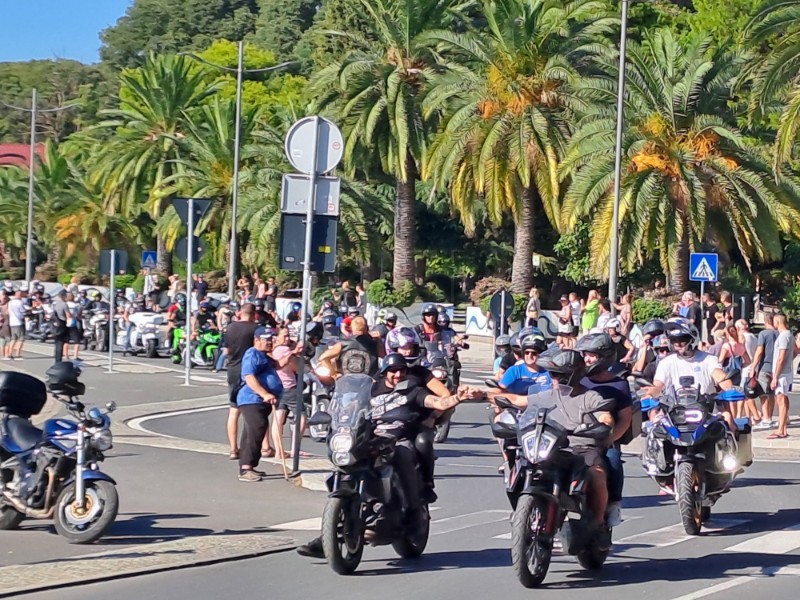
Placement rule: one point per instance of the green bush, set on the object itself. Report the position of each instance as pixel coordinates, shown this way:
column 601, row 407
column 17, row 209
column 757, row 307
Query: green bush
column 520, row 304
column 433, row 293
column 486, row 288
column 124, row 281
column 381, row 293
column 791, row 305
column 645, row 309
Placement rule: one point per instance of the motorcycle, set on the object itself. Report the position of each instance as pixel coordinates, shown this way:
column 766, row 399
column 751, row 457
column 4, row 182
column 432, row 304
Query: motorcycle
column 366, row 503
column 96, row 331
column 54, row 472
column 691, row 453
column 436, row 359
column 546, row 483
column 37, row 323
column 147, row 335
column 206, row 348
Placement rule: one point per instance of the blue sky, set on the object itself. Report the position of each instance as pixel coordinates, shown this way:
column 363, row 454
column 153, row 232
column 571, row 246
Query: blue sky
column 42, row 29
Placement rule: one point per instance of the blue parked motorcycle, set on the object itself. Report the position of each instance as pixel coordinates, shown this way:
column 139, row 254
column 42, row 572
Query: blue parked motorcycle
column 691, row 453
column 53, row 472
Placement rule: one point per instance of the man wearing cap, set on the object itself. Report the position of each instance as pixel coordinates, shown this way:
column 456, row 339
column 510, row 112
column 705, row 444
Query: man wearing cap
column 261, row 390
column 201, row 287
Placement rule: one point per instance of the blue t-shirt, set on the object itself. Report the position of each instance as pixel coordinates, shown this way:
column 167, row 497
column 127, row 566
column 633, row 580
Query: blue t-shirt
column 518, row 378
column 255, row 362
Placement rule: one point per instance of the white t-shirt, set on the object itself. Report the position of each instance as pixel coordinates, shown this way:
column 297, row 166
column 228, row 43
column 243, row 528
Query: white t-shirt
column 16, row 312
column 602, row 320
column 784, row 341
column 700, row 366
column 575, row 307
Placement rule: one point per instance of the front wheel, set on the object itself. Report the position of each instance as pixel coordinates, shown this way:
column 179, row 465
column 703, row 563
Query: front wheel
column 151, row 349
column 88, row 524
column 530, row 550
column 442, row 432
column 342, row 539
column 690, row 497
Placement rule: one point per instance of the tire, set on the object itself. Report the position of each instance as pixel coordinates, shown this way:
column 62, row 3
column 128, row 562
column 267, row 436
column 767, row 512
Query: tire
column 687, row 481
column 410, row 546
column 592, row 559
column 151, row 350
column 70, row 526
column 102, row 341
column 336, row 520
column 10, row 518
column 442, row 432
column 530, row 554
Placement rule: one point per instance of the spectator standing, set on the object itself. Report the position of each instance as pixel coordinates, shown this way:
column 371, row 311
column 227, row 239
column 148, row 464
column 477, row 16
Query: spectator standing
column 16, row 321
column 750, row 342
column 61, row 318
column 361, row 298
column 174, row 280
column 74, row 331
column 709, row 316
column 565, row 338
column 261, row 390
column 349, row 298
column 604, row 314
column 5, row 327
column 782, row 375
column 575, row 306
column 271, row 296
column 762, row 371
column 688, row 309
column 73, row 288
column 625, row 314
column 533, row 309
column 201, row 288
column 591, row 311
column 726, row 301
column 286, row 355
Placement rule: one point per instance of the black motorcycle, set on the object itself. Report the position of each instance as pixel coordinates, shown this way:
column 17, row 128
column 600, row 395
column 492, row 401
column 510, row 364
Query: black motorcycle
column 366, row 503
column 545, row 482
column 442, row 368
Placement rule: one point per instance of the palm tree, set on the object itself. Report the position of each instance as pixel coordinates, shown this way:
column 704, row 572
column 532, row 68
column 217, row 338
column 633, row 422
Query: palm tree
column 506, row 106
column 776, row 76
column 376, row 95
column 155, row 103
column 689, row 177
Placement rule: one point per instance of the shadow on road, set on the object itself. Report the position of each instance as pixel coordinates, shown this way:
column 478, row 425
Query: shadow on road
column 442, row 561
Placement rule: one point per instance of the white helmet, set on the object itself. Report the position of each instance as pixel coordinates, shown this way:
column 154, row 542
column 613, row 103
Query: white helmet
column 613, row 323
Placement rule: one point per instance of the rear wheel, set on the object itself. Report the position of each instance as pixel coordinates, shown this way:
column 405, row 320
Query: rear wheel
column 342, row 539
column 152, row 349
column 412, row 546
column 530, row 551
column 10, row 518
column 688, row 485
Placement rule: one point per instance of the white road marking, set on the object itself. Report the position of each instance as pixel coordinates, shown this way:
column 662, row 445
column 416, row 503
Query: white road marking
column 715, row 589
column 777, row 542
column 204, row 379
column 313, row 523
column 674, row 534
column 468, row 520
column 138, row 423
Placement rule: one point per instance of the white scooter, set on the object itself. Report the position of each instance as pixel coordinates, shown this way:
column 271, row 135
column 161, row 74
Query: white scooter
column 148, row 335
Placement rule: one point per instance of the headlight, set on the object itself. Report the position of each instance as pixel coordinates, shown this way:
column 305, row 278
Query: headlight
column 102, row 440
column 536, row 454
column 342, row 459
column 439, row 373
column 694, row 416
column 341, row 442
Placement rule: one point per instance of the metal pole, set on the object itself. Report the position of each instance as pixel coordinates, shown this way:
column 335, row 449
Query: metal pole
column 234, row 249
column 703, row 327
column 31, row 166
column 613, row 265
column 502, row 313
column 112, row 311
column 187, row 377
column 298, row 409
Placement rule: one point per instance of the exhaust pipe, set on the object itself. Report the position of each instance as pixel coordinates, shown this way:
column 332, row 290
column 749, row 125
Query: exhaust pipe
column 36, row 513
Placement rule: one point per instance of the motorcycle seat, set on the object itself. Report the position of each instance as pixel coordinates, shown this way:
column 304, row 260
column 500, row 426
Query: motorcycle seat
column 24, row 434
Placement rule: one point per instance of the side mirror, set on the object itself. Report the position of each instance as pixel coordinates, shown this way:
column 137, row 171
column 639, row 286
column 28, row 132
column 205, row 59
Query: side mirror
column 111, row 406
column 491, row 383
column 320, row 418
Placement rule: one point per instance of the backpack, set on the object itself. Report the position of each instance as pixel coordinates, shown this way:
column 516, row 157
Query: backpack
column 734, row 363
column 357, row 359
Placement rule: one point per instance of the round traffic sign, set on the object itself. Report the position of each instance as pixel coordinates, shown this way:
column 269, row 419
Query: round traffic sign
column 501, row 305
column 300, row 145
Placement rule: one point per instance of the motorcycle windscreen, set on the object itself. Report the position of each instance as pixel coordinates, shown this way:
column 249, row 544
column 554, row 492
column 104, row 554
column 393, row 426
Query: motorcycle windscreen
column 541, row 397
column 350, row 400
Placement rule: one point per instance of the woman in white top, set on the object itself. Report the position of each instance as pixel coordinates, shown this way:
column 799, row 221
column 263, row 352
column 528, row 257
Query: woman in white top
column 750, row 342
column 533, row 309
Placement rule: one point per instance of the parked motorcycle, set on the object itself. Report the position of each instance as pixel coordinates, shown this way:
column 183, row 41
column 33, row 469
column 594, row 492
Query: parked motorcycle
column 691, row 453
column 547, row 484
column 148, row 335
column 38, row 323
column 96, row 331
column 54, row 472
column 366, row 503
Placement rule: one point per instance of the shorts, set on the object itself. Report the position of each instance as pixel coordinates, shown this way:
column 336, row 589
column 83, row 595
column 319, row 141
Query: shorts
column 784, row 386
column 17, row 333
column 591, row 455
column 288, row 399
column 764, row 383
column 75, row 336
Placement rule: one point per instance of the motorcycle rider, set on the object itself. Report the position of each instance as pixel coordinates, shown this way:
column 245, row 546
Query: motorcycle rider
column 388, row 395
column 518, row 378
column 359, row 354
column 345, row 327
column 647, row 355
column 428, row 330
column 203, row 320
column 623, row 348
column 386, row 321
column 687, row 360
column 505, row 357
column 599, row 354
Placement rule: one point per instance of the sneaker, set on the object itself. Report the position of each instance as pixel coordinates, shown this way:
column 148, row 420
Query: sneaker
column 249, row 476
column 764, row 425
column 614, row 514
column 5, row 358
column 312, row 549
column 259, row 473
column 428, row 495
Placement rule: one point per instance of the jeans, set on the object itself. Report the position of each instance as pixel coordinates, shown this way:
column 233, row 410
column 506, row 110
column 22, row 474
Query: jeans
column 220, row 360
column 616, row 474
column 405, row 461
column 128, row 329
column 255, row 419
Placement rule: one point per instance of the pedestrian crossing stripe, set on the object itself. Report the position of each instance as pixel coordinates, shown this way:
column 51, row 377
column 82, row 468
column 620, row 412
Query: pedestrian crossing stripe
column 703, row 271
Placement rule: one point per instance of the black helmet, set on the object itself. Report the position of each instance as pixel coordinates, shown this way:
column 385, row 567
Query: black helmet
column 526, row 331
column 653, row 328
column 429, row 309
column 394, row 360
column 258, row 303
column 353, row 311
column 565, row 366
column 314, row 330
column 62, row 379
column 443, row 319
column 180, row 299
column 235, row 306
column 683, row 331
column 533, row 341
column 327, row 305
column 600, row 344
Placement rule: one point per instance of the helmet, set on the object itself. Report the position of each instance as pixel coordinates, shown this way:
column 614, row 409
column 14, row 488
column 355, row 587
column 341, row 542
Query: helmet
column 205, row 305
column 682, row 330
column 180, row 299
column 502, row 341
column 382, row 315
column 402, row 337
column 526, row 331
column 225, row 300
column 314, row 330
column 565, row 366
column 258, row 303
column 62, row 379
column 443, row 319
column 328, row 305
column 296, row 307
column 39, row 288
column 660, row 341
column 514, row 342
column 653, row 327
column 393, row 361
column 429, row 309
column 97, row 295
column 390, row 316
column 235, row 306
column 613, row 323
column 533, row 341
column 353, row 311
column 120, row 292
column 600, row 344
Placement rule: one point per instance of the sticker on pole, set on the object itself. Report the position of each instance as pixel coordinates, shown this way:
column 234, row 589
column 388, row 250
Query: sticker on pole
column 703, row 267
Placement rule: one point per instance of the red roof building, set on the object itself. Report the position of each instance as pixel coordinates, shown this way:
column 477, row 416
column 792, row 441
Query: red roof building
column 18, row 154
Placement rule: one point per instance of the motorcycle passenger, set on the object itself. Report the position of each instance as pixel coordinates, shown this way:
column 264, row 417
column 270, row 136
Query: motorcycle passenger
column 328, row 321
column 346, row 325
column 647, row 355
column 623, row 348
column 687, row 360
column 428, row 330
column 567, row 368
column 293, row 316
column 359, row 354
column 505, row 357
column 386, row 321
column 518, row 378
column 599, row 354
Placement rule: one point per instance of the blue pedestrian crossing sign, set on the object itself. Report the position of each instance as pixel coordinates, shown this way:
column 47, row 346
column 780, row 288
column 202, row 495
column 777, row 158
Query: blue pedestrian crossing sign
column 149, row 259
column 703, row 267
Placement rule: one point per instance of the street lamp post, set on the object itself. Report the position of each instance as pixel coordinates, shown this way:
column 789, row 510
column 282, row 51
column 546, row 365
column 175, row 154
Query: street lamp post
column 34, row 110
column 613, row 266
column 240, row 71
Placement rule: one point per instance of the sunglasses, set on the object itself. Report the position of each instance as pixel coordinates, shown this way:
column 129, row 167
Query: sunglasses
column 396, row 370
column 660, row 350
column 531, row 353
